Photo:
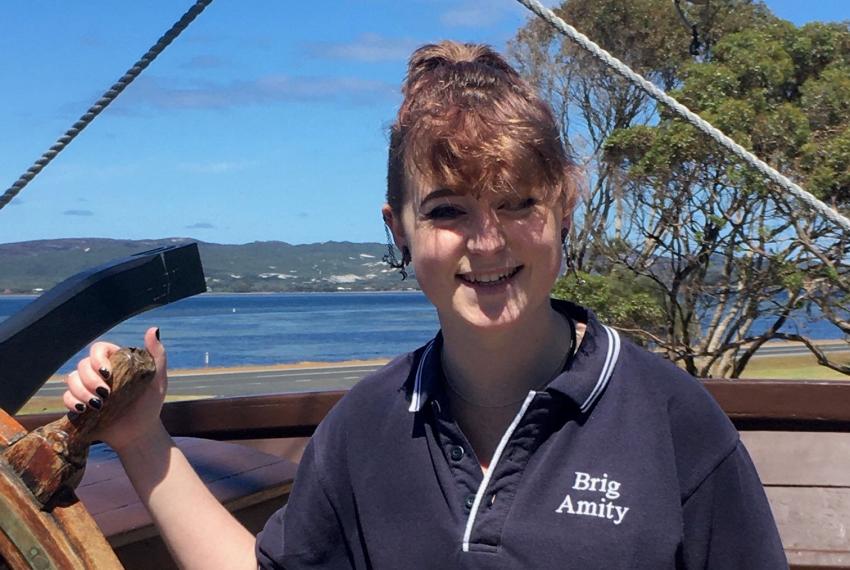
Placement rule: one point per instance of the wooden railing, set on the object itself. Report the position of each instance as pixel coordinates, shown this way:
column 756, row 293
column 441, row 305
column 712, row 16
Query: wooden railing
column 750, row 404
column 798, row 433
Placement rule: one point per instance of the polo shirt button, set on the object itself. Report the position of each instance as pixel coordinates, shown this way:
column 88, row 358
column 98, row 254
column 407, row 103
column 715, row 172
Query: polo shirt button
column 470, row 500
column 456, row 453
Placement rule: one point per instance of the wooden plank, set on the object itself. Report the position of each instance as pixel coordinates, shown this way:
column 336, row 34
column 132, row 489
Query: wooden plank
column 251, row 417
column 784, row 404
column 814, row 524
column 151, row 552
column 291, row 448
column 238, row 476
column 800, row 458
column 244, row 417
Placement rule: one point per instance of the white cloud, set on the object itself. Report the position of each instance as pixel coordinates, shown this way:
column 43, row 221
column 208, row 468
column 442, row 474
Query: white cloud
column 368, row 47
column 161, row 93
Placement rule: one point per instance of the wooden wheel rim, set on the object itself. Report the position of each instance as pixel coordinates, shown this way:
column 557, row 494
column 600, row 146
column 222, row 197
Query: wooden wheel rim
column 30, row 538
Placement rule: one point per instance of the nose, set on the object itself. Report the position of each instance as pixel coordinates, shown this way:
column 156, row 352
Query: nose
column 485, row 235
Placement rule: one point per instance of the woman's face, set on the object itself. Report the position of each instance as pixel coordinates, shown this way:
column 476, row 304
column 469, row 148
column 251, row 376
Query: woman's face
column 487, row 262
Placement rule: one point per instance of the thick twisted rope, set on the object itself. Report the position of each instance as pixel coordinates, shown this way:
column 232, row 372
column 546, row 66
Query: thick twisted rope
column 104, row 101
column 585, row 43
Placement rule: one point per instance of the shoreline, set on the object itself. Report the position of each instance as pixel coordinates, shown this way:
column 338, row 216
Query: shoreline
column 407, row 291
column 177, row 373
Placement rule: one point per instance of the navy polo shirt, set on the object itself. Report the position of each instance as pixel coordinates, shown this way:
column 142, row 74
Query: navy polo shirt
column 622, row 461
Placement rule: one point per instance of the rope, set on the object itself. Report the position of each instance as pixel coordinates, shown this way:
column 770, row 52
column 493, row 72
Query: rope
column 104, row 101
column 584, row 42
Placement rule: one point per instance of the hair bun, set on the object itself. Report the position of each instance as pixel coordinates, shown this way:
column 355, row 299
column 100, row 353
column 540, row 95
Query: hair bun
column 448, row 54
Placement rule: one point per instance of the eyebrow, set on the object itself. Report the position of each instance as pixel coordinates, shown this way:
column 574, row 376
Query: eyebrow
column 440, row 193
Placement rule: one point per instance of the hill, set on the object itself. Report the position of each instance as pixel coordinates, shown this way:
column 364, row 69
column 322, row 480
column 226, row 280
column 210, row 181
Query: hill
column 270, row 266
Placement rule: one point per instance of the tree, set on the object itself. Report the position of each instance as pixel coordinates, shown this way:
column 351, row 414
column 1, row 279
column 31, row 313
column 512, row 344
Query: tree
column 731, row 260
column 591, row 102
column 619, row 298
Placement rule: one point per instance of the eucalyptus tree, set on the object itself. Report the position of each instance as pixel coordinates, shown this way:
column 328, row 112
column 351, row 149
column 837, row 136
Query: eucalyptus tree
column 711, row 261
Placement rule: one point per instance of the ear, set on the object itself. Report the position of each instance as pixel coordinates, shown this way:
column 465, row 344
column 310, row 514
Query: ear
column 394, row 223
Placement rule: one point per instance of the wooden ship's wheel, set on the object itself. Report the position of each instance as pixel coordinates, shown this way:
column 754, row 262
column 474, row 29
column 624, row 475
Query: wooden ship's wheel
column 42, row 524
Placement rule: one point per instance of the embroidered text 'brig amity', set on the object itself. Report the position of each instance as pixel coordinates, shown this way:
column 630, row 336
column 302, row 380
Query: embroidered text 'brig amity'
column 601, row 506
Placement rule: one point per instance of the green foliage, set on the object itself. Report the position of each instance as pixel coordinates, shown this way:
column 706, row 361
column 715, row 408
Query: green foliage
column 828, row 165
column 783, row 92
column 716, row 247
column 826, row 98
column 817, row 45
column 618, row 298
column 759, row 61
column 646, row 34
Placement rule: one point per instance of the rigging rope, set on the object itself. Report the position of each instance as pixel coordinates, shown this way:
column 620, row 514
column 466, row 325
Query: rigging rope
column 105, row 100
column 585, row 43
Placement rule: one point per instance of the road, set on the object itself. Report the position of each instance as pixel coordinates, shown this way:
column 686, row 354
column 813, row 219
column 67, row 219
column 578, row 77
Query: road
column 325, row 377
column 791, row 349
column 244, row 383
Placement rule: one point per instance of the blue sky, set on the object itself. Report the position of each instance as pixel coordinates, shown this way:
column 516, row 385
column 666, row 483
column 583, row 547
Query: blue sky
column 265, row 120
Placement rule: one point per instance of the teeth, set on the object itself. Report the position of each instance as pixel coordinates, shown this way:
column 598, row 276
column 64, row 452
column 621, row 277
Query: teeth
column 492, row 278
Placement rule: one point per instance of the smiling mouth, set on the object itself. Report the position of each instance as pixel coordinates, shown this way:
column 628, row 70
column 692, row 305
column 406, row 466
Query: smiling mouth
column 489, row 279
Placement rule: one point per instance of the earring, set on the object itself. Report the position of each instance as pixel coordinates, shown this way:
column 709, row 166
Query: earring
column 565, row 263
column 405, row 261
column 391, row 259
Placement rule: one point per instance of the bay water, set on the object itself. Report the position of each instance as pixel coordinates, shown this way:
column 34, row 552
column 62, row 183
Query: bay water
column 246, row 329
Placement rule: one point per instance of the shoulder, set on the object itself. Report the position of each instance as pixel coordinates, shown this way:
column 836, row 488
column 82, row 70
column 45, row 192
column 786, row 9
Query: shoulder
column 379, row 398
column 651, row 374
column 701, row 434
column 379, row 390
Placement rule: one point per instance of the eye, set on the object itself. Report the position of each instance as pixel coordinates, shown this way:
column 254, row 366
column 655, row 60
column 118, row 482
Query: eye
column 518, row 206
column 444, row 212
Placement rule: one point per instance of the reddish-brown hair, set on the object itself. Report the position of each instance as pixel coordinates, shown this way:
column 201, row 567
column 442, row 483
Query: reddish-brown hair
column 470, row 122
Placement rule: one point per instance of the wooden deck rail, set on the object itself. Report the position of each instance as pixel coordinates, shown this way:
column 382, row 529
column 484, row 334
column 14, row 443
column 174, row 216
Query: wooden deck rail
column 798, row 433
column 751, row 404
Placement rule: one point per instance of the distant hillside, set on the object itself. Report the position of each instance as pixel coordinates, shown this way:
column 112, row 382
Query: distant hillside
column 270, row 266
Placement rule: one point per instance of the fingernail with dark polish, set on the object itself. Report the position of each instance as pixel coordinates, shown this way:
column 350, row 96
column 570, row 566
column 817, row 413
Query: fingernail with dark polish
column 105, row 373
column 157, row 334
column 96, row 403
column 73, row 415
column 103, row 392
column 80, row 408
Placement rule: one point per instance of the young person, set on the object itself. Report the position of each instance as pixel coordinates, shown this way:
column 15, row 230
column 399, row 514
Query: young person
column 526, row 434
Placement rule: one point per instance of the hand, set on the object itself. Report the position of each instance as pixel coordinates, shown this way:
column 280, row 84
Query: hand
column 87, row 392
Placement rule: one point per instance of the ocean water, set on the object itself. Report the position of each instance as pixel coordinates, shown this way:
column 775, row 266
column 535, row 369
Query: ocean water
column 233, row 330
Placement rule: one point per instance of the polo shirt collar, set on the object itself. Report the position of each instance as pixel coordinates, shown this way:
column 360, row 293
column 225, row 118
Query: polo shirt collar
column 429, row 372
column 583, row 380
column 588, row 372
